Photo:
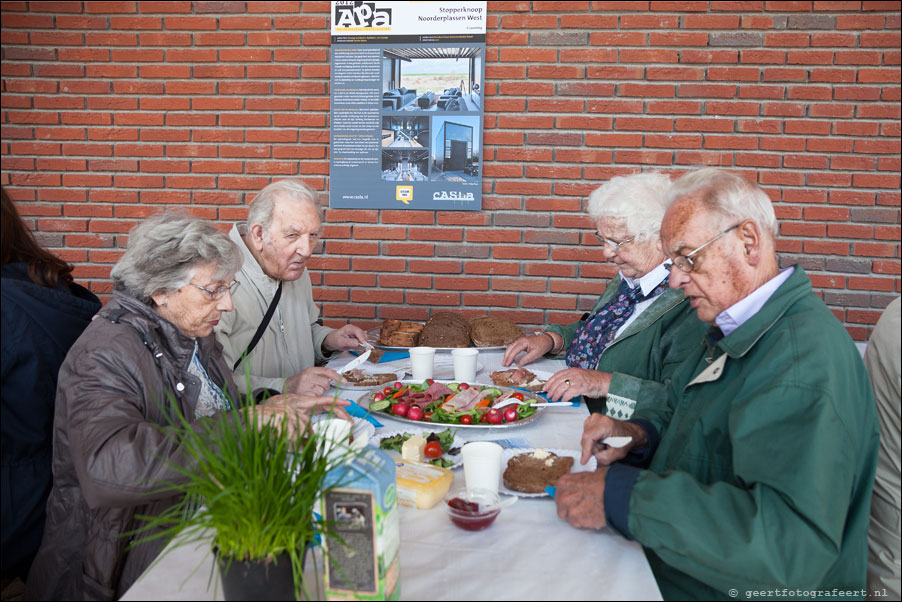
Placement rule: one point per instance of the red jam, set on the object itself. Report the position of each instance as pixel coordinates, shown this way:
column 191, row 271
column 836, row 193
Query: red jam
column 466, row 515
column 464, row 505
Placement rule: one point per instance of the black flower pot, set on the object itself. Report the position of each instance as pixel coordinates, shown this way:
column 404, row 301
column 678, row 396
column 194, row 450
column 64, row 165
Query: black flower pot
column 272, row 580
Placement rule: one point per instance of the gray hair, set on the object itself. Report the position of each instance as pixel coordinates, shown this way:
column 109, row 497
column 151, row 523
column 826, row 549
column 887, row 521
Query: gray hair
column 639, row 200
column 260, row 211
column 165, row 249
column 728, row 195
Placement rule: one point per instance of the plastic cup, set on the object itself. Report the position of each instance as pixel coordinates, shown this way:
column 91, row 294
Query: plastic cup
column 421, row 360
column 464, row 364
column 482, row 465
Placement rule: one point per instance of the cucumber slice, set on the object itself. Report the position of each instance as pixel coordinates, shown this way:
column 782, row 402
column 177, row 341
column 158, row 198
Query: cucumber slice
column 378, row 406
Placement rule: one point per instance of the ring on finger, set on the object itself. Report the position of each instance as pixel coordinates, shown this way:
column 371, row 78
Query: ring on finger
column 567, row 381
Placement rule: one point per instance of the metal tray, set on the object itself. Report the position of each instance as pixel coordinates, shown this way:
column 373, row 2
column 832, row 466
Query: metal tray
column 367, row 398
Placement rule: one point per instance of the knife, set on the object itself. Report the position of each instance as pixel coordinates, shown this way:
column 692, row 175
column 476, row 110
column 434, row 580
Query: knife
column 355, row 362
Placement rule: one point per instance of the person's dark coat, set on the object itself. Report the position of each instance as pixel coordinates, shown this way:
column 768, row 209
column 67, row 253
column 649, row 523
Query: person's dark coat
column 39, row 325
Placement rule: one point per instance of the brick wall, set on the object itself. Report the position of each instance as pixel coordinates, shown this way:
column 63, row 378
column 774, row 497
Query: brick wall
column 113, row 110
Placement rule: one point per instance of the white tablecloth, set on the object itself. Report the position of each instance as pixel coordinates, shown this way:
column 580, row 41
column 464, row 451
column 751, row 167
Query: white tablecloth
column 527, row 554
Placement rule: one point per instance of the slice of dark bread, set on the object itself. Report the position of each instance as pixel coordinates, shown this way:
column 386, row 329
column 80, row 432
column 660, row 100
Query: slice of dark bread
column 527, row 474
column 494, row 331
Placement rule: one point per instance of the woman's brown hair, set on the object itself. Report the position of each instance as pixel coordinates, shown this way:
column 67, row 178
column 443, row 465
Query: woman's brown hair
column 18, row 245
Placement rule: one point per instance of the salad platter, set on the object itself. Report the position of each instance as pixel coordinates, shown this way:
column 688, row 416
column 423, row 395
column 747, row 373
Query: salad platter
column 433, row 403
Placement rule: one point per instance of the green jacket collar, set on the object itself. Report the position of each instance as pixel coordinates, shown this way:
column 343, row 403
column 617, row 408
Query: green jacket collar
column 744, row 338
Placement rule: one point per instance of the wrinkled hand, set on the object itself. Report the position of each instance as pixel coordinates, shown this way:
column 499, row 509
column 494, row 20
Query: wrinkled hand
column 572, row 382
column 312, row 381
column 535, row 347
column 293, row 411
column 598, row 427
column 344, row 338
column 580, row 499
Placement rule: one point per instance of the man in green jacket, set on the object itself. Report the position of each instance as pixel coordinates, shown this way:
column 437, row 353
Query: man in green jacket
column 751, row 477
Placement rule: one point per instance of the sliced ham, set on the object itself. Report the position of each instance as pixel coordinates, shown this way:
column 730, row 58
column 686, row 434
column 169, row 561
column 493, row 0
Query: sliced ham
column 437, row 390
column 424, row 398
column 502, row 397
column 464, row 400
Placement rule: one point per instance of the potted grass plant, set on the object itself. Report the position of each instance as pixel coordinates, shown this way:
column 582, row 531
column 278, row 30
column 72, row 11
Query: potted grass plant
column 253, row 486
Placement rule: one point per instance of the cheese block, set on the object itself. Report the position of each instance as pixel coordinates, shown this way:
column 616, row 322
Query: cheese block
column 414, row 448
column 421, row 485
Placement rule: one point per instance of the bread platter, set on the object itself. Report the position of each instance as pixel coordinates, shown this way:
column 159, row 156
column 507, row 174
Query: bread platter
column 372, row 337
column 446, row 331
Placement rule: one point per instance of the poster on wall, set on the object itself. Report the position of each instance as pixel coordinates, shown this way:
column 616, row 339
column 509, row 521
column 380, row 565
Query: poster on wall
column 407, row 105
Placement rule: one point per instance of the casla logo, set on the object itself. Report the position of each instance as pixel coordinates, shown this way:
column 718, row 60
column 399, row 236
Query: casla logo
column 361, row 14
column 452, row 195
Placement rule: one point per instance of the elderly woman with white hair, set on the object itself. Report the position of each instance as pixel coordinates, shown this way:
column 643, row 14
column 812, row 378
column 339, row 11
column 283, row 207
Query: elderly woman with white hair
column 639, row 329
column 148, row 354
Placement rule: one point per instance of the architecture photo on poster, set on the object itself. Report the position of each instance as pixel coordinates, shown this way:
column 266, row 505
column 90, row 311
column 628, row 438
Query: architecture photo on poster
column 407, row 105
column 432, row 79
column 405, row 148
column 455, row 150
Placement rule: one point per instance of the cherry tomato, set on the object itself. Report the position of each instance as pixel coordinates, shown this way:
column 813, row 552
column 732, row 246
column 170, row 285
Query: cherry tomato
column 466, row 419
column 463, row 386
column 430, row 382
column 433, row 450
column 400, row 409
column 518, row 396
column 415, row 413
column 378, row 397
column 387, row 391
column 510, row 415
column 484, row 418
column 495, row 416
column 397, row 385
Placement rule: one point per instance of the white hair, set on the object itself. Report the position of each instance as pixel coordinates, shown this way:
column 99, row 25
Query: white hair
column 728, row 195
column 638, row 200
column 165, row 249
column 261, row 208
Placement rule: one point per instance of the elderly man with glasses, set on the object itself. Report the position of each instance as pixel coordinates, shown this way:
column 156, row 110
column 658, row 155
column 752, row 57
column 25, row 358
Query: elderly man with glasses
column 753, row 474
column 639, row 329
column 275, row 334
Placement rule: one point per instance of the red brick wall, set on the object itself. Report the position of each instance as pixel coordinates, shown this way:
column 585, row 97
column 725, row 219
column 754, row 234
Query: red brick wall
column 112, row 110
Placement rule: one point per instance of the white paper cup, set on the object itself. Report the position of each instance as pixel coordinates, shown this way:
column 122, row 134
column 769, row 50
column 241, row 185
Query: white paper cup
column 464, row 364
column 421, row 360
column 482, row 465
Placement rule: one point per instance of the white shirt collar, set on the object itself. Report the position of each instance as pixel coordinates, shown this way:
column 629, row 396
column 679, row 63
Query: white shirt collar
column 740, row 312
column 650, row 280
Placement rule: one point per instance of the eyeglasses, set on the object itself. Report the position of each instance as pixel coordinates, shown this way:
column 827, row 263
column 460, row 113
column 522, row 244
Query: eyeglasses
column 615, row 246
column 220, row 291
column 685, row 263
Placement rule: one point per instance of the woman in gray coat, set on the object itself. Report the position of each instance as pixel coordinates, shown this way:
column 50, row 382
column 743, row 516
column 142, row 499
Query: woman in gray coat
column 148, row 350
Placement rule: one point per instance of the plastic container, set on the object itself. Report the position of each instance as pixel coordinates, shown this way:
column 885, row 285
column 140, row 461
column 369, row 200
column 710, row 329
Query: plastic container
column 466, row 509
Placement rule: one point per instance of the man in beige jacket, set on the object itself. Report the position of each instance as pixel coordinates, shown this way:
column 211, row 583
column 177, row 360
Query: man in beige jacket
column 882, row 360
column 281, row 232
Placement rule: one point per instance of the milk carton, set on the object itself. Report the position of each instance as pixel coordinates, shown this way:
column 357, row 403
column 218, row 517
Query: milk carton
column 363, row 511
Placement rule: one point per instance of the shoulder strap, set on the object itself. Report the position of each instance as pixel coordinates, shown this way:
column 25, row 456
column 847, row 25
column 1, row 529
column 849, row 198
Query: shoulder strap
column 262, row 327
